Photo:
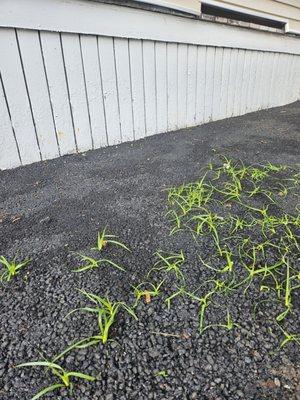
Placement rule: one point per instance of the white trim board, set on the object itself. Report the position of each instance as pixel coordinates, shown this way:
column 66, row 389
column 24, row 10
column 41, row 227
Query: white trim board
column 173, row 6
column 86, row 17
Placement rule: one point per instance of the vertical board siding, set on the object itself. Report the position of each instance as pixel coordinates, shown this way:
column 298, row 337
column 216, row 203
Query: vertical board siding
column 245, row 83
column 77, row 92
column 209, row 83
column 161, row 86
column 291, row 88
column 30, row 51
column 257, row 86
column 265, row 79
column 238, row 83
column 59, row 98
column 191, row 85
column 273, row 79
column 124, row 88
column 172, row 63
column 182, row 85
column 252, row 77
column 284, row 75
column 297, row 79
column 9, row 156
column 224, row 82
column 217, row 84
column 66, row 92
column 293, row 73
column 232, row 82
column 296, row 83
column 150, row 87
column 94, row 89
column 11, row 69
column 110, row 91
column 268, row 99
column 200, row 89
column 137, row 85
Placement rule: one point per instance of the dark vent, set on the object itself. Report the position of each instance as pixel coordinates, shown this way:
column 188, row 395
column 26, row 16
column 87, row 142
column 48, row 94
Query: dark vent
column 239, row 16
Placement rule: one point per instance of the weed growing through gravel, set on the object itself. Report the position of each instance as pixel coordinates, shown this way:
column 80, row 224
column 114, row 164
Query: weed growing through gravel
column 106, row 312
column 90, row 263
column 255, row 242
column 289, row 337
column 237, row 212
column 229, row 324
column 203, row 301
column 64, row 377
column 147, row 290
column 105, row 239
column 170, row 263
column 11, row 268
column 162, row 373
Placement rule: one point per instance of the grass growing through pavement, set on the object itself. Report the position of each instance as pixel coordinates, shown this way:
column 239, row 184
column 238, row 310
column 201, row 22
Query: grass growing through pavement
column 254, row 241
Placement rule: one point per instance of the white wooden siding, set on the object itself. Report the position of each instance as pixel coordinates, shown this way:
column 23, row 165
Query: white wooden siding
column 58, row 92
column 15, row 88
column 137, row 86
column 161, row 86
column 94, row 92
column 110, row 89
column 9, row 155
column 150, row 87
column 123, row 75
column 96, row 18
column 63, row 92
column 31, row 56
column 172, row 85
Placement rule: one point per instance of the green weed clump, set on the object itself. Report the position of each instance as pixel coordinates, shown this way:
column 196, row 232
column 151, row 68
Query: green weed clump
column 254, row 241
column 10, row 268
column 89, row 263
column 103, row 241
column 162, row 373
column 64, row 379
column 102, row 308
column 105, row 312
column 147, row 290
column 169, row 263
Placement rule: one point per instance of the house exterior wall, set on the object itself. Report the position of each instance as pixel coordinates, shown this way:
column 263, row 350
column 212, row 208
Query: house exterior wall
column 77, row 75
column 286, row 10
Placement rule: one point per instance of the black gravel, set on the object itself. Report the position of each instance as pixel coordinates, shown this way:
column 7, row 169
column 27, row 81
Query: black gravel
column 51, row 210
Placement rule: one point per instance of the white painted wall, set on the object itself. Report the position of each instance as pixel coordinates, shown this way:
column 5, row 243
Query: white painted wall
column 63, row 91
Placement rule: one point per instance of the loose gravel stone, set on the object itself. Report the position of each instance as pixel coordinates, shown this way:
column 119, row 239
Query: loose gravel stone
column 124, row 187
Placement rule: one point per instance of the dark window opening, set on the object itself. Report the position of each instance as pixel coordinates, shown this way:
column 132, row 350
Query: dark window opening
column 239, row 16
